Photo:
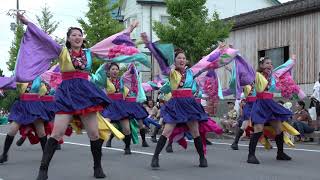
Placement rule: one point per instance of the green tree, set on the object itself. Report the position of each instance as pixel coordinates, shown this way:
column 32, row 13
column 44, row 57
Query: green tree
column 8, row 99
column 100, row 23
column 48, row 25
column 1, row 72
column 15, row 45
column 191, row 29
column 45, row 21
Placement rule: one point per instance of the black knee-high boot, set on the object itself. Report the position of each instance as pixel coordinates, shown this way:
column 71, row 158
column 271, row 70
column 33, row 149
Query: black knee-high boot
column 96, row 148
column 280, row 154
column 143, row 137
column 161, row 143
column 21, row 141
column 169, row 148
column 108, row 144
column 199, row 147
column 154, row 134
column 127, row 142
column 43, row 141
column 252, row 148
column 7, row 144
column 48, row 153
column 234, row 145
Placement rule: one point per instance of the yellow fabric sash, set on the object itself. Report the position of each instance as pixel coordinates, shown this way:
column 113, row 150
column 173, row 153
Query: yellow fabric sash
column 65, row 62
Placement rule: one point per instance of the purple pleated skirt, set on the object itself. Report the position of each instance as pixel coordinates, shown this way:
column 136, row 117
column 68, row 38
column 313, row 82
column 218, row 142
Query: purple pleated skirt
column 25, row 112
column 120, row 109
column 116, row 111
column 136, row 110
column 266, row 110
column 246, row 113
column 182, row 109
column 77, row 95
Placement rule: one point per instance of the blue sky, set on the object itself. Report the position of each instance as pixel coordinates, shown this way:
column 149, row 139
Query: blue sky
column 65, row 11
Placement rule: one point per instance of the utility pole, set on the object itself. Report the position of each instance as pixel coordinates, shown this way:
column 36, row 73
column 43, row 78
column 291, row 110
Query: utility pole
column 13, row 12
column 17, row 20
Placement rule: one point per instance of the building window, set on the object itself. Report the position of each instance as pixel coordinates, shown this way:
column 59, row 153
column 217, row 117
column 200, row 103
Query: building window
column 164, row 19
column 277, row 55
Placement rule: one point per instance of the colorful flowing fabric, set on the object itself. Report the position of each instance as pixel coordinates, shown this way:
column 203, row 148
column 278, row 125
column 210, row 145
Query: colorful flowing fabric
column 130, row 82
column 178, row 133
column 8, row 82
column 53, row 76
column 285, row 83
column 148, row 121
column 270, row 133
column 134, row 128
column 119, row 48
column 216, row 59
column 210, row 84
column 155, row 84
column 281, row 80
column 37, row 50
column 106, row 128
column 242, row 74
column 115, row 45
column 29, row 131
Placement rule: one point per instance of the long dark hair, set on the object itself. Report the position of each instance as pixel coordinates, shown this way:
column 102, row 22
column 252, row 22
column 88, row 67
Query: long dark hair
column 177, row 51
column 68, row 45
column 108, row 66
column 261, row 61
column 302, row 104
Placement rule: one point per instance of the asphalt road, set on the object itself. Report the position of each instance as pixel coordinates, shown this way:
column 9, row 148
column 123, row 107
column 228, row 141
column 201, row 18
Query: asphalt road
column 74, row 162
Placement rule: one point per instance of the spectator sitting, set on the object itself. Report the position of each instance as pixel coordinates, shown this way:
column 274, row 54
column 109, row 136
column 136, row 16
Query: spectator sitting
column 230, row 120
column 301, row 120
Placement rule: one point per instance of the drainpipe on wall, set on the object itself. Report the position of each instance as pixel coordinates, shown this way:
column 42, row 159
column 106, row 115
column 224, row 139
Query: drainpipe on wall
column 151, row 57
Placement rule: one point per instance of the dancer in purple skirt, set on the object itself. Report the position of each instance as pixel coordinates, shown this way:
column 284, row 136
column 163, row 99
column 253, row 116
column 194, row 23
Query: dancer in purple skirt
column 245, row 118
column 76, row 95
column 125, row 96
column 266, row 110
column 182, row 106
column 33, row 108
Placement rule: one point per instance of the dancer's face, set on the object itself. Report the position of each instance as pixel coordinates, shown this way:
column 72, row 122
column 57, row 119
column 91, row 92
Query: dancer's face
column 114, row 71
column 75, row 39
column 267, row 65
column 150, row 104
column 298, row 106
column 230, row 106
column 180, row 61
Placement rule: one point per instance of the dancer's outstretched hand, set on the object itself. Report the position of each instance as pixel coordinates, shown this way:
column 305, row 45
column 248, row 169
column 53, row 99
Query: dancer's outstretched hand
column 144, row 37
column 223, row 45
column 294, row 57
column 22, row 19
column 133, row 25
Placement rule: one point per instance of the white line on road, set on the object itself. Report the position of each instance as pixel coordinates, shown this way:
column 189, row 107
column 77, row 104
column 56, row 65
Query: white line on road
column 217, row 143
column 114, row 149
column 245, row 145
column 292, row 149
